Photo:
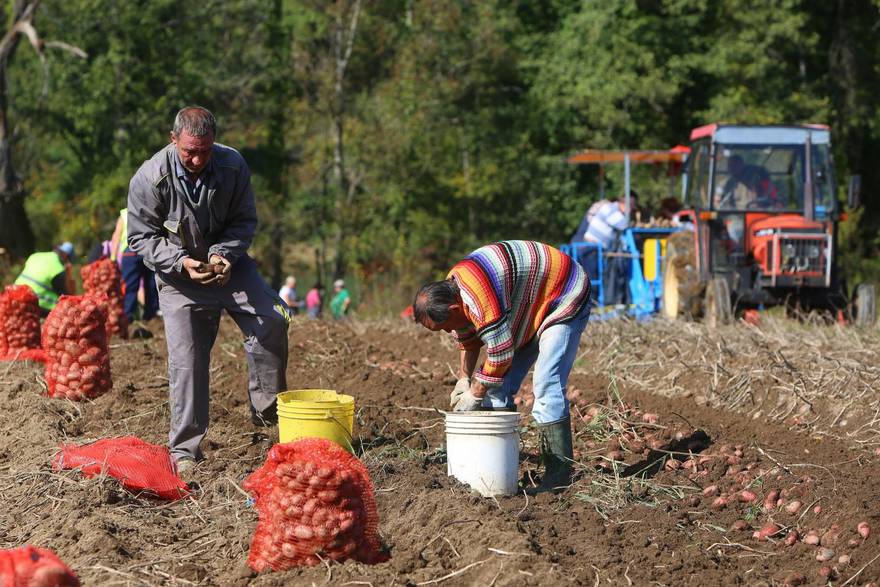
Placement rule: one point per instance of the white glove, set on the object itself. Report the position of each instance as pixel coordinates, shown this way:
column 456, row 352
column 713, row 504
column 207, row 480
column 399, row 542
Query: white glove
column 461, row 386
column 468, row 403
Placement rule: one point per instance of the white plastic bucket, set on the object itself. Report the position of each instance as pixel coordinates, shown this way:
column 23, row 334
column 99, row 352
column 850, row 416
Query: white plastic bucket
column 482, row 450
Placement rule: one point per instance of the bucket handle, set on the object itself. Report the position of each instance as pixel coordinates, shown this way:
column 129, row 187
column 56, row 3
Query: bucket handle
column 349, row 437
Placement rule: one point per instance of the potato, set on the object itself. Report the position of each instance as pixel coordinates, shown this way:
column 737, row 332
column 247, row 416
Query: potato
column 52, row 576
column 830, row 537
column 746, row 496
column 303, row 532
column 767, row 530
column 824, row 554
column 770, row 500
column 793, row 507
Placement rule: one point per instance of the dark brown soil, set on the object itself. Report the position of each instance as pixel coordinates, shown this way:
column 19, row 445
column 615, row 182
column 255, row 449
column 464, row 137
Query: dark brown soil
column 605, row 529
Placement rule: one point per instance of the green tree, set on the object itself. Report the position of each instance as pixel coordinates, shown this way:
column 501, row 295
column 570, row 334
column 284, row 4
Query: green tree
column 15, row 229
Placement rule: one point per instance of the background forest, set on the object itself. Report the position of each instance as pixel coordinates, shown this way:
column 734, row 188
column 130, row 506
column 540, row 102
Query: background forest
column 388, row 137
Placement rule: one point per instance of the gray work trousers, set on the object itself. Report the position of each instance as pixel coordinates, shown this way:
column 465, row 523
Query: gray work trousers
column 192, row 317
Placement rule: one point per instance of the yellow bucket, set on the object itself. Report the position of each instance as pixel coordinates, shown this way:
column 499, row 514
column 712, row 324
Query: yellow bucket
column 316, row 413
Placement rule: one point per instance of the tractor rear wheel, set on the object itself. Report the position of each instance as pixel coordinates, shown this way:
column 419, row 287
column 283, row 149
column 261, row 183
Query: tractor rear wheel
column 682, row 290
column 718, row 309
column 865, row 304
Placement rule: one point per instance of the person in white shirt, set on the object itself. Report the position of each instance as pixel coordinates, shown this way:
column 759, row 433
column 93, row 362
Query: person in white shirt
column 288, row 294
column 609, row 221
column 604, row 221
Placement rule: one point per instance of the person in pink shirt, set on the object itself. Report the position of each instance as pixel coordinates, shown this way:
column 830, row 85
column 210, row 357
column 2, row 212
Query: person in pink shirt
column 313, row 301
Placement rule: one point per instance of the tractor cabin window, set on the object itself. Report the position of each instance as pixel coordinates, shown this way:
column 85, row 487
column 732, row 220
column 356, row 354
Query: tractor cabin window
column 698, row 184
column 760, row 178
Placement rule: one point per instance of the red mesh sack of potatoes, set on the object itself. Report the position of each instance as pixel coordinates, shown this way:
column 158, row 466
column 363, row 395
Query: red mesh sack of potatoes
column 103, row 277
column 138, row 465
column 314, row 499
column 29, row 566
column 20, row 324
column 75, row 343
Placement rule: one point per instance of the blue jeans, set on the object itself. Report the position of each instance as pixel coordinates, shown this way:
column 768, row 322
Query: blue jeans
column 133, row 272
column 553, row 354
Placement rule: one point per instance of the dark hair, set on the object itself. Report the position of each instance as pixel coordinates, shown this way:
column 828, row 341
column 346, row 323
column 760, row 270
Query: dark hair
column 633, row 194
column 195, row 120
column 669, row 205
column 433, row 300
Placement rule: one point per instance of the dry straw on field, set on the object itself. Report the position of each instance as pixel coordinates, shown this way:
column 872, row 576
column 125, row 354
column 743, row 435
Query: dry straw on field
column 817, row 376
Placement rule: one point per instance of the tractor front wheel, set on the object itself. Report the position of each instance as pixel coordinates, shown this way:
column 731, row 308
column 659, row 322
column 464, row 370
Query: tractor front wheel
column 865, row 304
column 718, row 309
column 682, row 290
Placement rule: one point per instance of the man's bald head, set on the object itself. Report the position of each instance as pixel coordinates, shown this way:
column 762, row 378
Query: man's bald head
column 433, row 301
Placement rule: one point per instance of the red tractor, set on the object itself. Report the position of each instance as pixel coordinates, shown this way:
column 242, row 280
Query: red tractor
column 761, row 223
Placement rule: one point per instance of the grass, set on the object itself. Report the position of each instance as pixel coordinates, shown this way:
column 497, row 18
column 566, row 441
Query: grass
column 610, row 493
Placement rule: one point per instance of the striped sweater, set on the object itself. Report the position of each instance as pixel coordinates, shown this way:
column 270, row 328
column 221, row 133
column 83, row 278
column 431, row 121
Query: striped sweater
column 512, row 291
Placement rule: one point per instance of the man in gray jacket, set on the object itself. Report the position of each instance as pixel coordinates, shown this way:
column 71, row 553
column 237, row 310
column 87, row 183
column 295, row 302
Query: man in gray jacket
column 192, row 216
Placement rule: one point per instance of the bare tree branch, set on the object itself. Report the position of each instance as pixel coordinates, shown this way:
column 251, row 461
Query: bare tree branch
column 26, row 28
column 352, row 29
column 10, row 39
column 61, row 45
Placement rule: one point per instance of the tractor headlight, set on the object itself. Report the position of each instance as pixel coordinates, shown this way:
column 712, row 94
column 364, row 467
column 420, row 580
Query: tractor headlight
column 813, row 251
column 788, row 250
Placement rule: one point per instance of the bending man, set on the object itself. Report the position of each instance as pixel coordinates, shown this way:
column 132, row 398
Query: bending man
column 528, row 304
column 189, row 205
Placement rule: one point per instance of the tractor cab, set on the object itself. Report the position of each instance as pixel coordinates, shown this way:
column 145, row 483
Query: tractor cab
column 762, row 205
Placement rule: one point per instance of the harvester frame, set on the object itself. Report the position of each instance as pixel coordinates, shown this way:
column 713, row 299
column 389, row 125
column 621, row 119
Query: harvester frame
column 642, row 246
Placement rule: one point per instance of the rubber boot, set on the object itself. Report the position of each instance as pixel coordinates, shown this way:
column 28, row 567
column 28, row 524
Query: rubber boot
column 557, row 454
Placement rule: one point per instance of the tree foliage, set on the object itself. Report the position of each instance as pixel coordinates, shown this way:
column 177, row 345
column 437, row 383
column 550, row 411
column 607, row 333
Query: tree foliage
column 447, row 123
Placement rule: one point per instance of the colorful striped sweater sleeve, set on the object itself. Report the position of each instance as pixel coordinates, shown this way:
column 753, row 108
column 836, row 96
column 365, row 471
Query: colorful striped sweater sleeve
column 512, row 291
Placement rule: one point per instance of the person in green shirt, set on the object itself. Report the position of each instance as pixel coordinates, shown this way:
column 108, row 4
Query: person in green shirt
column 49, row 275
column 341, row 301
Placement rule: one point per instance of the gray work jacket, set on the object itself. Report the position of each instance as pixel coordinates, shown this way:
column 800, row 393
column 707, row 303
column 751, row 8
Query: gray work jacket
column 162, row 225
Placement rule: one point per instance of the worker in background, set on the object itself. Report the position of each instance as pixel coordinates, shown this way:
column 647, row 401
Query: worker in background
column 50, row 275
column 192, row 216
column 581, row 231
column 527, row 303
column 669, row 209
column 134, row 274
column 98, row 251
column 604, row 221
column 314, row 301
column 341, row 301
column 610, row 220
column 287, row 293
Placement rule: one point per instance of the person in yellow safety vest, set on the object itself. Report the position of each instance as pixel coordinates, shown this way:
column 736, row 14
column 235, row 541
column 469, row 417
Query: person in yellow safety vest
column 50, row 275
column 133, row 273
